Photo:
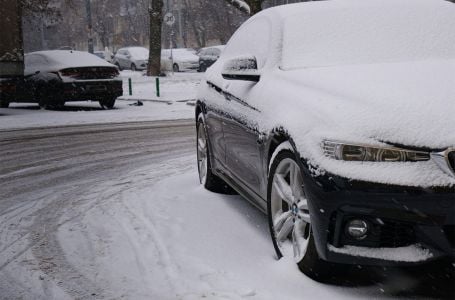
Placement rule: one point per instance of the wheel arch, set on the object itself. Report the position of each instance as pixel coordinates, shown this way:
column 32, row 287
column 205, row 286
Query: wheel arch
column 200, row 108
column 278, row 136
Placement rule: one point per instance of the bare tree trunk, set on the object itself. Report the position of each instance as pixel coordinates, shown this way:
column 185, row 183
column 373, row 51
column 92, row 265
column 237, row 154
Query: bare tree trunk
column 156, row 21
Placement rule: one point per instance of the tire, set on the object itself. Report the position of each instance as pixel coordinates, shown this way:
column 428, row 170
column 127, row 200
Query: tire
column 176, row 68
column 4, row 104
column 108, row 103
column 43, row 100
column 206, row 177
column 289, row 218
column 133, row 68
column 202, row 68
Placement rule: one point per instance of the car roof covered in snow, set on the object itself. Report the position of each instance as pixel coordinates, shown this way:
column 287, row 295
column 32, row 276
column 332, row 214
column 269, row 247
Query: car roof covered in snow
column 321, row 7
column 341, row 32
column 63, row 59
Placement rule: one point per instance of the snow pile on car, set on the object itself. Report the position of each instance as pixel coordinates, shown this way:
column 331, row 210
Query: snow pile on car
column 62, row 59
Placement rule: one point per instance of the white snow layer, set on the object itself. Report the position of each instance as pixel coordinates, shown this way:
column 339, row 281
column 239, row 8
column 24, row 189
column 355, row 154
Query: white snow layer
column 359, row 31
column 176, row 240
column 409, row 103
column 412, row 253
column 61, row 59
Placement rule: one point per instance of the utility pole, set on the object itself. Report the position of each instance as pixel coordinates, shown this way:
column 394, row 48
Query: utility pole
column 89, row 26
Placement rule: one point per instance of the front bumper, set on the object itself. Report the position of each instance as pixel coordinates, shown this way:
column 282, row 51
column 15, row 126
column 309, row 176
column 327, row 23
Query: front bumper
column 406, row 225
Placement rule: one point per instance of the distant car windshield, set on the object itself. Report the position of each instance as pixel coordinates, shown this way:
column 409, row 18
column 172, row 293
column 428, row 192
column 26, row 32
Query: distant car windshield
column 360, row 35
column 184, row 53
column 139, row 53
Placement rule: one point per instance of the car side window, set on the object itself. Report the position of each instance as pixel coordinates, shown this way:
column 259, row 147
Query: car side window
column 252, row 39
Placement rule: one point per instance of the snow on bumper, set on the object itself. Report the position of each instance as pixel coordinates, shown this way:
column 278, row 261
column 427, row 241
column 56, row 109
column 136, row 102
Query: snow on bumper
column 411, row 253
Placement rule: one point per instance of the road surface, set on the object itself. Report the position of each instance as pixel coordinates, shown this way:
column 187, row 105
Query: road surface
column 47, row 172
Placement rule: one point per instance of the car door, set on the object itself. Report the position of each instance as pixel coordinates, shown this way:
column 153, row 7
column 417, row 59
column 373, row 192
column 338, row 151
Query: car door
column 127, row 60
column 120, row 57
column 165, row 60
column 242, row 139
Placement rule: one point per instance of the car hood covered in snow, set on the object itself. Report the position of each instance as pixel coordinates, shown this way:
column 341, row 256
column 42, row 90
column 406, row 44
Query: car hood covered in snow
column 410, row 103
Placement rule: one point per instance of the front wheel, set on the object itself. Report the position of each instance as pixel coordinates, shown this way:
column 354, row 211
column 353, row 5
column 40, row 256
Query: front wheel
column 108, row 103
column 176, row 68
column 133, row 67
column 206, row 177
column 290, row 220
column 4, row 103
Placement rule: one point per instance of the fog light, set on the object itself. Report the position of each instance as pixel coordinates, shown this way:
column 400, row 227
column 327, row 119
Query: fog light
column 357, row 229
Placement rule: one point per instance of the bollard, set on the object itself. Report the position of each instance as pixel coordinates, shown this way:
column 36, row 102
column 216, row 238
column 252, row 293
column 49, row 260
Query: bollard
column 130, row 85
column 157, row 81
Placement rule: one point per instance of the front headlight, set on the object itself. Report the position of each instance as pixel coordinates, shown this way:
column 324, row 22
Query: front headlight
column 350, row 152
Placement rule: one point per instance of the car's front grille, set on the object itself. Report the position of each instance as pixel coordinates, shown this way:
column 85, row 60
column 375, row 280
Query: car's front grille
column 451, row 158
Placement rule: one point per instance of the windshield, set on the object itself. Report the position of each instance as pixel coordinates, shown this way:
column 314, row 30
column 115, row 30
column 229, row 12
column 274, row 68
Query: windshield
column 139, row 53
column 336, row 38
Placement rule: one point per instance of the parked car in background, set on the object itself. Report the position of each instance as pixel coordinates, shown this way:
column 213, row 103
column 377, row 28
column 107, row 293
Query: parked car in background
column 208, row 56
column 336, row 118
column 58, row 76
column 132, row 58
column 106, row 55
column 182, row 59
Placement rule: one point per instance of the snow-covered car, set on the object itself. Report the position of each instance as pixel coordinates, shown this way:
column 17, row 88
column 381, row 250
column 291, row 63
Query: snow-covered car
column 178, row 60
column 58, row 76
column 106, row 55
column 336, row 118
column 132, row 58
column 208, row 56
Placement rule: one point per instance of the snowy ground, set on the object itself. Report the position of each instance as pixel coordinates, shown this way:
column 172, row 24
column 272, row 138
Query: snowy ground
column 177, row 92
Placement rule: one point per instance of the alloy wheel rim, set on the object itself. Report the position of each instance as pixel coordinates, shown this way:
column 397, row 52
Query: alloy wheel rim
column 289, row 209
column 202, row 153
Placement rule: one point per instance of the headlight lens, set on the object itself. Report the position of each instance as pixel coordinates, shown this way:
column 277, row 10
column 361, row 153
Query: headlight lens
column 350, row 152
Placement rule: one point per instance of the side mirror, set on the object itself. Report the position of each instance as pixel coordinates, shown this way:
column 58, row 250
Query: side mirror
column 241, row 68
